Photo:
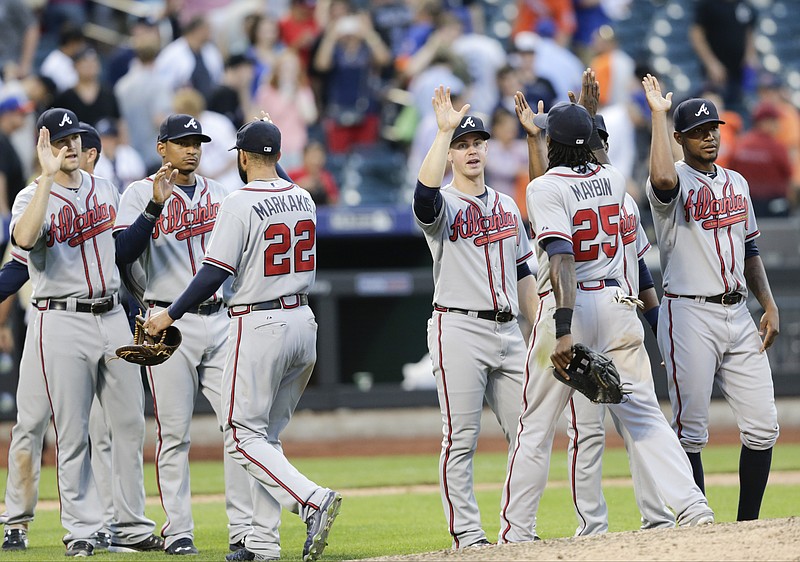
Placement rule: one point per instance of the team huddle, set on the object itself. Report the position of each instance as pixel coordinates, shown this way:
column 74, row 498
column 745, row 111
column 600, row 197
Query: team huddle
column 232, row 269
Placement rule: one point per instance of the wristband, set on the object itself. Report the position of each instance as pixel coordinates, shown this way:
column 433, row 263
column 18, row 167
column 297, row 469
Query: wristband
column 153, row 210
column 652, row 318
column 563, row 318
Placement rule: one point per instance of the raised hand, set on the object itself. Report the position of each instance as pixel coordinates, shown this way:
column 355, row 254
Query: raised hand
column 590, row 92
column 164, row 183
column 447, row 118
column 655, row 99
column 50, row 163
column 525, row 114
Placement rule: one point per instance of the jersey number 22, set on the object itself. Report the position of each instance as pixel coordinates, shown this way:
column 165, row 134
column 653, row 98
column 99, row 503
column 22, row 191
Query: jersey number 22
column 281, row 256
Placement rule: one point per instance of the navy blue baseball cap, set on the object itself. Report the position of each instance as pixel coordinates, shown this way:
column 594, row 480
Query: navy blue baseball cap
column 567, row 123
column 180, row 125
column 60, row 122
column 90, row 138
column 259, row 136
column 470, row 124
column 693, row 113
column 600, row 123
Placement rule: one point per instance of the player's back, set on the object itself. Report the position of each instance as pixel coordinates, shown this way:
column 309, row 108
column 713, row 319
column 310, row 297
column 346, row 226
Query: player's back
column 266, row 233
column 583, row 209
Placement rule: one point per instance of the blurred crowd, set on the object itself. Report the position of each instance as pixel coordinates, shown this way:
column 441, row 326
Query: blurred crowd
column 349, row 82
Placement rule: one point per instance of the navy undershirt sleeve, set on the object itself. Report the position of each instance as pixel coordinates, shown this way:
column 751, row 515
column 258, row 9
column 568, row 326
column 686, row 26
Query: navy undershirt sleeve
column 669, row 195
column 201, row 288
column 12, row 278
column 427, row 203
column 750, row 249
column 523, row 271
column 132, row 242
column 645, row 278
column 555, row 246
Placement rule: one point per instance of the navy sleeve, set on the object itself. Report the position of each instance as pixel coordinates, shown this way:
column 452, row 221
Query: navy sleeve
column 645, row 279
column 427, row 203
column 12, row 278
column 667, row 196
column 132, row 242
column 201, row 288
column 523, row 271
column 750, row 249
column 282, row 174
column 555, row 246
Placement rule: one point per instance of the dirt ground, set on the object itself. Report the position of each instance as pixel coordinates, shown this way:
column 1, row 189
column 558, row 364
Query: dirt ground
column 772, row 539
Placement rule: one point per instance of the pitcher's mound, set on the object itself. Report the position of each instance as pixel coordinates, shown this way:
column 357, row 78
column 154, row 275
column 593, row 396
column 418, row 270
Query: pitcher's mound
column 768, row 539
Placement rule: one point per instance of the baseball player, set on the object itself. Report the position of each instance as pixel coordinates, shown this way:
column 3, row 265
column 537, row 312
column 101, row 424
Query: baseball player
column 482, row 282
column 64, row 218
column 165, row 222
column 575, row 214
column 33, row 413
column 265, row 237
column 706, row 231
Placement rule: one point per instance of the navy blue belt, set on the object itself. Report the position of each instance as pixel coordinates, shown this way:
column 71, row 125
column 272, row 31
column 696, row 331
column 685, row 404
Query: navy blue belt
column 204, row 309
column 494, row 315
column 597, row 285
column 726, row 299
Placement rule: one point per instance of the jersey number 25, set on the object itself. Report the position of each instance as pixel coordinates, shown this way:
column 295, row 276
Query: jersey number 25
column 281, row 256
column 585, row 241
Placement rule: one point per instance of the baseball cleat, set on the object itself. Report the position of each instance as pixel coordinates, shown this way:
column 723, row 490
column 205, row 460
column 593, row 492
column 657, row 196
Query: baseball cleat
column 80, row 549
column 150, row 544
column 102, row 540
column 244, row 554
column 700, row 520
column 15, row 539
column 182, row 547
column 480, row 543
column 238, row 545
column 319, row 525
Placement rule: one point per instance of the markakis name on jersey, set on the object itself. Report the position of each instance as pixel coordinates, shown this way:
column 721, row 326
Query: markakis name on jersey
column 75, row 229
column 715, row 212
column 186, row 222
column 470, row 224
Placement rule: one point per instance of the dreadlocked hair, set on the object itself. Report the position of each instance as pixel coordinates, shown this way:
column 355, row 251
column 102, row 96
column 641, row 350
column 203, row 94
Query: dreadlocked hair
column 576, row 157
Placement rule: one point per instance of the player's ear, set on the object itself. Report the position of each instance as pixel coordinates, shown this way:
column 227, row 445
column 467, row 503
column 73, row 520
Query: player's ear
column 161, row 148
column 678, row 137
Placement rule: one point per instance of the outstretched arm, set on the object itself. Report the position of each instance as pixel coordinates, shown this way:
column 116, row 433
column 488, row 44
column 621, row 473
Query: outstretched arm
column 431, row 173
column 537, row 148
column 662, row 167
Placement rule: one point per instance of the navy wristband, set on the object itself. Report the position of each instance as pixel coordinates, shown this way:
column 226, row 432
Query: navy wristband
column 563, row 318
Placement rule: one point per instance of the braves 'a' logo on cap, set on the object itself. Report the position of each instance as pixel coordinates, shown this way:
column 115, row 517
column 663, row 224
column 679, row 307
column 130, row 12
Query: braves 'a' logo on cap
column 703, row 109
column 192, row 123
column 65, row 120
column 468, row 123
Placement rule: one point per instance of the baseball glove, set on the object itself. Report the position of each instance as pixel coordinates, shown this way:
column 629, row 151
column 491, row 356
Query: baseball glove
column 150, row 350
column 594, row 375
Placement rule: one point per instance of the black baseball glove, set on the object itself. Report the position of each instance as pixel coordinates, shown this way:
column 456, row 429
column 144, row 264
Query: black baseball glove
column 593, row 375
column 150, row 350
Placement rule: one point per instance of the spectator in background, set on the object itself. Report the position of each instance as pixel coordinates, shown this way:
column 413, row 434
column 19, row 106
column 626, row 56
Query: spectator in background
column 417, row 34
column 772, row 90
column 764, row 162
column 143, row 114
column 299, row 29
column 558, row 14
column 218, row 162
column 13, row 109
column 590, row 16
column 729, row 134
column 286, row 95
column 313, row 177
column 391, row 19
column 58, row 65
column 192, row 60
column 118, row 162
column 435, row 64
column 41, row 91
column 722, row 36
column 119, row 61
column 19, row 29
column 534, row 87
column 233, row 98
column 89, row 98
column 552, row 62
column 58, row 14
column 352, row 54
column 613, row 67
column 265, row 46
column 509, row 155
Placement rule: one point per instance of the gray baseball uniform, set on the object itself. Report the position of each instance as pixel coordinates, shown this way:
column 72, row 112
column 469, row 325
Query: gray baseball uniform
column 701, row 235
column 77, row 327
column 586, row 429
column 171, row 259
column 476, row 248
column 265, row 236
column 584, row 210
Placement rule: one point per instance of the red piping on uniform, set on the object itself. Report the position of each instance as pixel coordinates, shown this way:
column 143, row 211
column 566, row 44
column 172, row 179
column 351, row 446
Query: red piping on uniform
column 94, row 241
column 716, row 240
column 50, row 400
column 220, row 264
column 233, row 426
column 158, row 448
column 449, row 436
column 574, row 422
column 504, row 511
column 83, row 252
column 591, row 173
column 555, row 234
column 674, row 372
